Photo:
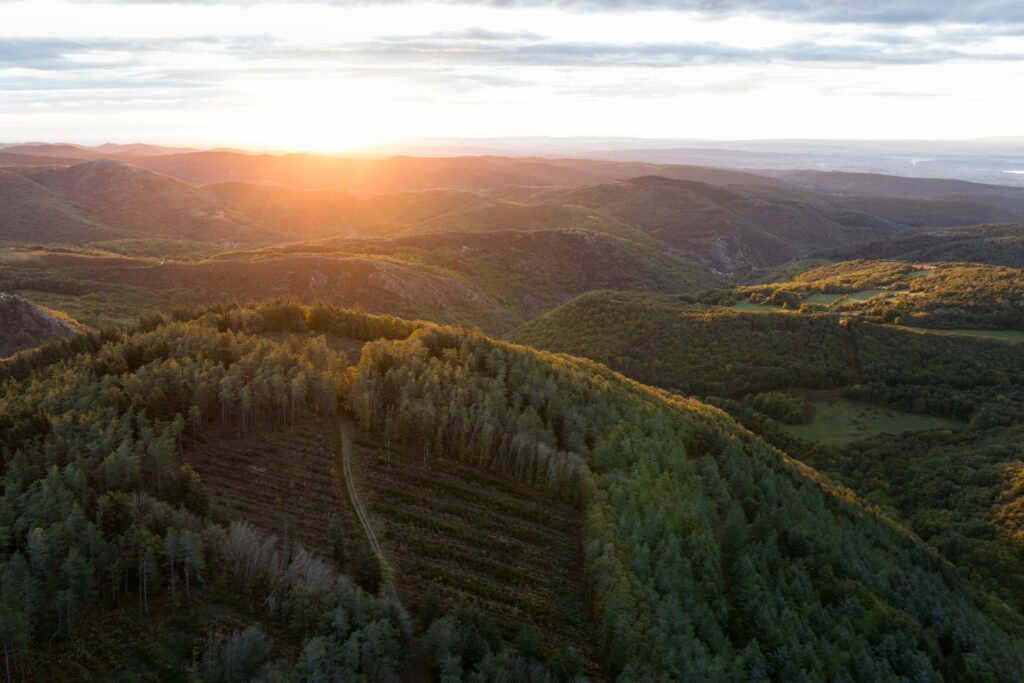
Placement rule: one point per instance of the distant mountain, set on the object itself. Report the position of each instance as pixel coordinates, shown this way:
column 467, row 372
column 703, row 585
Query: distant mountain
column 139, row 150
column 58, row 151
column 528, row 271
column 86, row 153
column 729, row 227
column 997, row 245
column 104, row 199
column 494, row 280
column 396, row 174
column 877, row 185
column 16, row 159
column 24, row 324
column 737, row 221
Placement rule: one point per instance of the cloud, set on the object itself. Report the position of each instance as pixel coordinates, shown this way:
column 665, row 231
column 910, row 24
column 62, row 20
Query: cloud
column 873, row 50
column 822, row 11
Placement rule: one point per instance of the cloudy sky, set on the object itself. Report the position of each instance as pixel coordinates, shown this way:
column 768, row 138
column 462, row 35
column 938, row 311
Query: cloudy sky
column 336, row 75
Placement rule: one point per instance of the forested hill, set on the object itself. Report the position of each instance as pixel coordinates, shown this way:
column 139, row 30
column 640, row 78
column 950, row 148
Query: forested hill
column 670, row 341
column 997, row 245
column 495, row 280
column 709, row 555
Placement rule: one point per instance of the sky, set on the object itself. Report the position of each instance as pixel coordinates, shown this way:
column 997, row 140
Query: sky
column 336, row 75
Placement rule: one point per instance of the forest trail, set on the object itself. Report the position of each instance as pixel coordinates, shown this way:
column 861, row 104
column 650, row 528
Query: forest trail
column 345, row 430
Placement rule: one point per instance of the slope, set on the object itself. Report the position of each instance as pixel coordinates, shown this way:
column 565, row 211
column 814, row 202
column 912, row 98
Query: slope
column 703, row 545
column 773, row 368
column 933, row 295
column 708, row 554
column 24, row 324
column 493, row 280
column 396, row 174
column 699, row 349
column 728, row 228
column 844, row 184
column 103, row 199
column 997, row 245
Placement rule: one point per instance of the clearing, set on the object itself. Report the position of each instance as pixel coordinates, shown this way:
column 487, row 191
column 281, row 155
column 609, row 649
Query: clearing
column 839, row 421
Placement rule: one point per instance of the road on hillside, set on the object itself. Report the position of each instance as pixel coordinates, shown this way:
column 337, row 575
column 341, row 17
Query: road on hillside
column 345, row 429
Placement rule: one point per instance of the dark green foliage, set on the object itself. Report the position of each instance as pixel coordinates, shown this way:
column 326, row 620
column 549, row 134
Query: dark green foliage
column 664, row 475
column 720, row 352
column 98, row 509
column 997, row 245
column 782, row 407
column 708, row 554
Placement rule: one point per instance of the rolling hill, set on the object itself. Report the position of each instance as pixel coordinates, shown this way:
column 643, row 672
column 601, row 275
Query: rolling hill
column 398, row 174
column 495, row 280
column 103, row 199
column 932, row 294
column 706, row 552
column 997, row 245
column 932, row 420
column 697, row 349
column 729, row 227
column 732, row 227
column 741, row 222
column 845, row 184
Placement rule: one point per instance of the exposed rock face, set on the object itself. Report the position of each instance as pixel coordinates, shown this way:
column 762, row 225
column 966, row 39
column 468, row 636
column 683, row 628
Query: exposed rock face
column 24, row 324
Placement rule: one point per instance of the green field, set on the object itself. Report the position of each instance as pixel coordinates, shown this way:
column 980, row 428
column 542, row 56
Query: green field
column 816, row 299
column 840, row 421
column 865, row 294
column 821, row 299
column 747, row 306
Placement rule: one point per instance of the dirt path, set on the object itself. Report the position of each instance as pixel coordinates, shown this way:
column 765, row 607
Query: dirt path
column 345, row 430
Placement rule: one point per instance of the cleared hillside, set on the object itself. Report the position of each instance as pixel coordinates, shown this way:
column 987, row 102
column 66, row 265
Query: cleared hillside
column 24, row 324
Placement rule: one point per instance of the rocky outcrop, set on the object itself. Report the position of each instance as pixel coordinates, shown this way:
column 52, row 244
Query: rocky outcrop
column 23, row 324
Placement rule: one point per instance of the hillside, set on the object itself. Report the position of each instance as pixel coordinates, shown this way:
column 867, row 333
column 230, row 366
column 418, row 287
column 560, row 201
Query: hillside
column 398, row 174
column 800, row 380
column 763, row 568
column 103, row 199
column 935, row 295
column 699, row 349
column 528, row 271
column 493, row 280
column 24, row 324
column 997, row 245
column 741, row 222
column 877, row 185
column 760, row 225
column 728, row 228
